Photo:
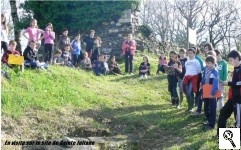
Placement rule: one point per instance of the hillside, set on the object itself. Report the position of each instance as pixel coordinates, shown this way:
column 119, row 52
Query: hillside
column 66, row 102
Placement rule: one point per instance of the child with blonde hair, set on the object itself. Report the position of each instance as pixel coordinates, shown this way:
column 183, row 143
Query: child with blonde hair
column 34, row 33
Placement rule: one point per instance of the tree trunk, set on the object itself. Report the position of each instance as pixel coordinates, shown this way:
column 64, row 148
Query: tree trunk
column 15, row 19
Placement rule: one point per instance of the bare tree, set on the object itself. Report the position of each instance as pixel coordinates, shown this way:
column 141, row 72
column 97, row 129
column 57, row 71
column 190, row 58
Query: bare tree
column 5, row 6
column 217, row 22
column 194, row 12
column 223, row 15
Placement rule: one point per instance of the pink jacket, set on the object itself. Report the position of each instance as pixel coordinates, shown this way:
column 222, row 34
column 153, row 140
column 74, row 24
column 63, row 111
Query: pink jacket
column 49, row 37
column 129, row 46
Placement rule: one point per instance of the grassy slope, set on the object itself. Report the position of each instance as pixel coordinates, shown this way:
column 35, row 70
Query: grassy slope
column 43, row 105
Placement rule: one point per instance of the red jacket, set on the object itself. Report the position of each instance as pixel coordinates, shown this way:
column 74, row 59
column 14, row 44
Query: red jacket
column 129, row 46
column 6, row 55
column 194, row 80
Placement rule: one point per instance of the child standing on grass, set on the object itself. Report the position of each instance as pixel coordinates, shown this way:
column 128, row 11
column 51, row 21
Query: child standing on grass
column 161, row 63
column 33, row 33
column 173, row 69
column 128, row 50
column 76, row 53
column 90, row 41
column 49, row 37
column 227, row 109
column 182, row 59
column 210, row 76
column 96, row 51
column 223, row 75
column 235, row 86
column 145, row 68
column 63, row 39
column 114, row 67
column 191, row 78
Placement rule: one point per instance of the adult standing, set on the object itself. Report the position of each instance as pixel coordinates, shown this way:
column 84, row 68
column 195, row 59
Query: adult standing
column 4, row 33
column 90, row 41
column 128, row 50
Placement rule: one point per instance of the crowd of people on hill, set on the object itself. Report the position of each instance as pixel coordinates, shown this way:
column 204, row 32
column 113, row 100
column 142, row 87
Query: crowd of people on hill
column 203, row 82
column 200, row 81
column 63, row 52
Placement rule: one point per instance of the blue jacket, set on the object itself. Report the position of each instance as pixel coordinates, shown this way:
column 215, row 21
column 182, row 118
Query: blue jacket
column 76, row 47
column 212, row 80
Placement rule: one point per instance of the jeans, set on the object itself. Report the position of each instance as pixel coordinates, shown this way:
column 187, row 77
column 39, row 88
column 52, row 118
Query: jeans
column 190, row 96
column 172, row 85
column 48, row 52
column 210, row 107
column 160, row 68
column 180, row 82
column 128, row 62
column 200, row 102
column 225, row 113
column 30, row 63
column 76, row 58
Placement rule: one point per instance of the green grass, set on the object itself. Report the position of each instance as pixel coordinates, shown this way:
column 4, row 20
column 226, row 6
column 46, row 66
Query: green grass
column 45, row 105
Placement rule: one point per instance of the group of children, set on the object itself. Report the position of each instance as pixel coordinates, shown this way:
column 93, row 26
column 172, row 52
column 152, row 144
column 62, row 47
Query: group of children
column 203, row 82
column 64, row 52
column 189, row 73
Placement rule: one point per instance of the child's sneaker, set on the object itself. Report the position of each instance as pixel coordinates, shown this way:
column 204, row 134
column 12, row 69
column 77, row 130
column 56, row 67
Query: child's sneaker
column 196, row 114
column 191, row 110
column 178, row 107
column 206, row 123
column 141, row 77
column 145, row 76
